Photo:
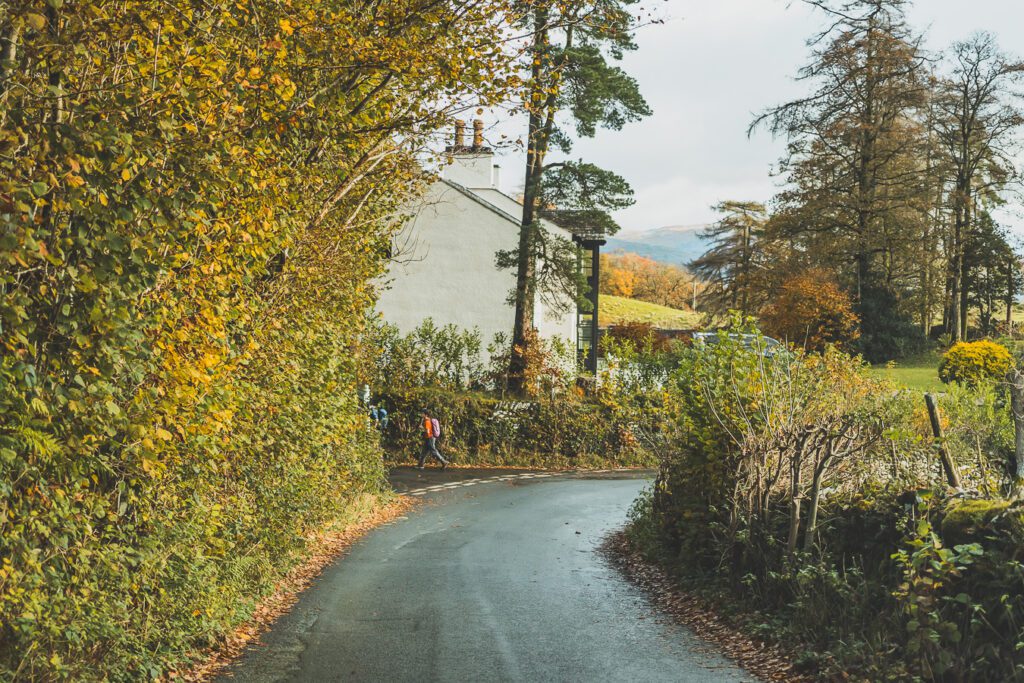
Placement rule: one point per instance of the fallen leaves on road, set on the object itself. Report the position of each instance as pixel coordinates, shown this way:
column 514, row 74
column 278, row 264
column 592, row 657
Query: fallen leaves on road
column 760, row 659
column 324, row 548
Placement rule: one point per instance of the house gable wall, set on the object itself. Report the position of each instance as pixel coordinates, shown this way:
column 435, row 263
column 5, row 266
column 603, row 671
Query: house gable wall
column 444, row 268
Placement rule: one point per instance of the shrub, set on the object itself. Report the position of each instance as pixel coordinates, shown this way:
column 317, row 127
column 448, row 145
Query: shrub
column 430, row 355
column 450, row 358
column 641, row 335
column 812, row 312
column 894, row 579
column 972, row 363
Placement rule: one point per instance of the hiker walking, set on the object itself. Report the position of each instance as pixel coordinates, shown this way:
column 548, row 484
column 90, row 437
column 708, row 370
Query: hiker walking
column 431, row 430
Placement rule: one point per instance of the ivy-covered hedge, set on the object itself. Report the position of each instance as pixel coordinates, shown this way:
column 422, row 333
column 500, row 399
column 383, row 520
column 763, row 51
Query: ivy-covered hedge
column 195, row 198
column 563, row 432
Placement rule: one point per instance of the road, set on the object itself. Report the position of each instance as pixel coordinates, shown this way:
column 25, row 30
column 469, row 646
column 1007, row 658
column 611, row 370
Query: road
column 485, row 581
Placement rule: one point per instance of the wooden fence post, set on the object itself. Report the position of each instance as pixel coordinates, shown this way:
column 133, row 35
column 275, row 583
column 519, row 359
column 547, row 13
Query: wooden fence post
column 1016, row 381
column 948, row 466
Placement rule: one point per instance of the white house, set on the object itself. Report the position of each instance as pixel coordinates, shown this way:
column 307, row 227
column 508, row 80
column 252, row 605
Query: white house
column 443, row 265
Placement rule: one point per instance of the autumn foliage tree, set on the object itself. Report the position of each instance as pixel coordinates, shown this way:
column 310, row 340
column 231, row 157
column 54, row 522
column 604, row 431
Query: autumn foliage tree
column 812, row 312
column 637, row 277
column 194, row 200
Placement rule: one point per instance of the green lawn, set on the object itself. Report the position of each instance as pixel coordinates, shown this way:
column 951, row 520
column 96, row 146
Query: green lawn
column 616, row 310
column 920, row 374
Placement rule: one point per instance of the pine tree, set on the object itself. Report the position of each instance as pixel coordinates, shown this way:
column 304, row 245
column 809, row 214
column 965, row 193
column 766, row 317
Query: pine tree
column 571, row 75
column 855, row 195
column 730, row 267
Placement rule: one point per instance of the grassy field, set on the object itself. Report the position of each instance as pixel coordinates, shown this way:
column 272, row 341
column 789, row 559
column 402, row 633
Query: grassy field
column 615, row 310
column 920, row 374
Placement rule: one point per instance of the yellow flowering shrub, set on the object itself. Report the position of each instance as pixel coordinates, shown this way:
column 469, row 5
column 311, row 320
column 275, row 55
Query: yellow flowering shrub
column 971, row 363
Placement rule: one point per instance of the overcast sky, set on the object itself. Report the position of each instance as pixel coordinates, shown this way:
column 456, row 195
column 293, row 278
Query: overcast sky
column 706, row 71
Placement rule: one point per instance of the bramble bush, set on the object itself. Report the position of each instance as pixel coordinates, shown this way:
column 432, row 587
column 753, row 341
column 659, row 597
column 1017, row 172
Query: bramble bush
column 193, row 203
column 973, row 363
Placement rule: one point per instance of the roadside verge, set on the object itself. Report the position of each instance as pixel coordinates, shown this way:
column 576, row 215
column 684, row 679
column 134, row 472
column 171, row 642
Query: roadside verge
column 763, row 661
column 324, row 548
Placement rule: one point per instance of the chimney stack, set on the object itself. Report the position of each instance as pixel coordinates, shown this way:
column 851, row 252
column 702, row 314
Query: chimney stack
column 460, row 134
column 478, row 134
column 470, row 165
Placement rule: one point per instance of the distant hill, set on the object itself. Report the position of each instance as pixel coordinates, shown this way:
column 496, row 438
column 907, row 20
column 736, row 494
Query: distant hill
column 675, row 244
column 615, row 310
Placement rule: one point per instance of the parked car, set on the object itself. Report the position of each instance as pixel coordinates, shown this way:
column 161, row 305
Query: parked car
column 765, row 345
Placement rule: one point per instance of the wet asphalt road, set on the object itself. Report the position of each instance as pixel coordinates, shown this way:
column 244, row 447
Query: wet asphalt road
column 485, row 581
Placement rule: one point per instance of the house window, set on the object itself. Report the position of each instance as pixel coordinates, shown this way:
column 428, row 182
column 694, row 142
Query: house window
column 585, row 334
column 587, row 256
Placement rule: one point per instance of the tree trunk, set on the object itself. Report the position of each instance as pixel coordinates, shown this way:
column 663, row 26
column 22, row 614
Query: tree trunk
column 965, row 292
column 812, row 513
column 1010, row 294
column 961, row 229
column 795, row 497
column 543, row 108
column 956, row 277
column 526, row 265
column 925, row 279
column 8, row 53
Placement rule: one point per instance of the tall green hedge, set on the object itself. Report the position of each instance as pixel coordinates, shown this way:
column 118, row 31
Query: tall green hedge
column 895, row 577
column 195, row 198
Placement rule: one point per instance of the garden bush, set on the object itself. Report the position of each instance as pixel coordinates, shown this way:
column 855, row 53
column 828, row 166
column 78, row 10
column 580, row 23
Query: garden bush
column 972, row 363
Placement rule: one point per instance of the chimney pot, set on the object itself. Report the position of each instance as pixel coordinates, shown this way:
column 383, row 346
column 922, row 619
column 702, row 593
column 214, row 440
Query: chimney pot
column 460, row 134
column 478, row 134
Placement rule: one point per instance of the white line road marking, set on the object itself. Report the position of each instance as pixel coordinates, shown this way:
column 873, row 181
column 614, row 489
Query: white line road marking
column 506, row 477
